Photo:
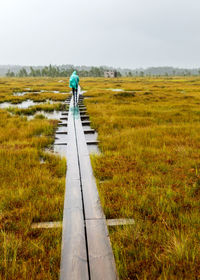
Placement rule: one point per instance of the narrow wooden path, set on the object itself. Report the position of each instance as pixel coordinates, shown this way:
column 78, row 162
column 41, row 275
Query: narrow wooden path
column 86, row 250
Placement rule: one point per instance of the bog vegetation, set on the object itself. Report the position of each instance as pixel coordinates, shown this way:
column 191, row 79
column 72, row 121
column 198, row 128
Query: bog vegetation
column 149, row 170
column 32, row 182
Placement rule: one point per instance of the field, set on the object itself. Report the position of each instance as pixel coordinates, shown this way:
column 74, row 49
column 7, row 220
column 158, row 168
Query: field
column 32, row 182
column 148, row 170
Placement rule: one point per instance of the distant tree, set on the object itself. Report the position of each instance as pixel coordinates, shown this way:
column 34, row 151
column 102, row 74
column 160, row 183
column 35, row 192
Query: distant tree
column 119, row 74
column 32, row 72
column 188, row 73
column 10, row 74
column 22, row 73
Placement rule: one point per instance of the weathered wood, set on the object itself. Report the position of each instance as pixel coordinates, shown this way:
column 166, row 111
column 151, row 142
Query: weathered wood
column 102, row 263
column 120, row 222
column 92, row 204
column 84, row 117
column 46, row 225
column 85, row 122
column 74, row 263
column 82, row 207
column 83, row 112
column 101, row 259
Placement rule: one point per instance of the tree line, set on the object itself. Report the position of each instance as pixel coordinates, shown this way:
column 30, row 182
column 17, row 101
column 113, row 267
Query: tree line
column 83, row 71
column 54, row 71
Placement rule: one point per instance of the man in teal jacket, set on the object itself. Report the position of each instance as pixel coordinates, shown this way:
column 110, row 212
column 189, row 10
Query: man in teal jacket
column 73, row 83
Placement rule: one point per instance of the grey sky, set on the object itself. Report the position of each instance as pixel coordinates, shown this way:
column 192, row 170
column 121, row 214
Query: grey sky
column 126, row 33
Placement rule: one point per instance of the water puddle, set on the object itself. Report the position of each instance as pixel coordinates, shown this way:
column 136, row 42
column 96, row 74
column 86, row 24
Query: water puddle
column 116, row 89
column 55, row 115
column 24, row 105
column 19, row 93
column 28, row 91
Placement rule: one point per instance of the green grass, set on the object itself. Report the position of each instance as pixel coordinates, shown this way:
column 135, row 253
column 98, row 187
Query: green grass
column 149, row 170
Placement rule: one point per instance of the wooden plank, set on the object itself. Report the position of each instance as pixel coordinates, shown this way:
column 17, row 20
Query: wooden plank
column 120, row 222
column 74, row 264
column 43, row 225
column 101, row 259
column 84, row 117
column 102, row 263
column 85, row 122
column 92, row 204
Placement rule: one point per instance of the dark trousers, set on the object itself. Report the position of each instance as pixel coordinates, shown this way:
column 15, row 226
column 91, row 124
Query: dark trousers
column 74, row 92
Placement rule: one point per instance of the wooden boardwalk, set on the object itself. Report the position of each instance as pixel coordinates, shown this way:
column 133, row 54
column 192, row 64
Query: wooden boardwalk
column 86, row 250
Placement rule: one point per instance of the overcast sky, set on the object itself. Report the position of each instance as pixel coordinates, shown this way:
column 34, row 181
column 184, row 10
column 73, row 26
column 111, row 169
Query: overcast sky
column 124, row 33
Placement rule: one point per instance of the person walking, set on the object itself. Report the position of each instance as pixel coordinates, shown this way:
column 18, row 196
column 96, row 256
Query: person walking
column 73, row 83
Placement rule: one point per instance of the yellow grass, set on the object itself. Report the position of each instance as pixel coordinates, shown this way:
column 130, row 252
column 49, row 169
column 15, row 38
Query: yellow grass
column 32, row 185
column 149, row 170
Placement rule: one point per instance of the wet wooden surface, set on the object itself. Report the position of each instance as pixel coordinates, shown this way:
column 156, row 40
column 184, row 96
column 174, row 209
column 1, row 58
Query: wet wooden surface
column 86, row 248
column 74, row 262
column 102, row 263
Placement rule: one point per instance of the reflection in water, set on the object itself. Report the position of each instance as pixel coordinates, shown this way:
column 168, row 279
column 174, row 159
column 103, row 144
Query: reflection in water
column 24, row 105
column 55, row 115
column 115, row 89
column 75, row 112
column 19, row 93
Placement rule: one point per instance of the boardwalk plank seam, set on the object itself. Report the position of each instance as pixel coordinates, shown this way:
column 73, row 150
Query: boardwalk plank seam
column 82, row 195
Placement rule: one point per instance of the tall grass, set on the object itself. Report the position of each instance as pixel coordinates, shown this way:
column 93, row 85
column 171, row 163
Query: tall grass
column 149, row 171
column 31, row 190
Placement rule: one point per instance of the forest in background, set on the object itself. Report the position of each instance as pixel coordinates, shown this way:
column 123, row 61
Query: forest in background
column 91, row 71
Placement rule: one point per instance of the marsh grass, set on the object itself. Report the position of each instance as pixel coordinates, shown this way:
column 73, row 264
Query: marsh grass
column 41, row 107
column 149, row 170
column 33, row 88
column 31, row 189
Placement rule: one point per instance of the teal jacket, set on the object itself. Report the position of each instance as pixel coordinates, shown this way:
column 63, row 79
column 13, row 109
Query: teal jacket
column 74, row 80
